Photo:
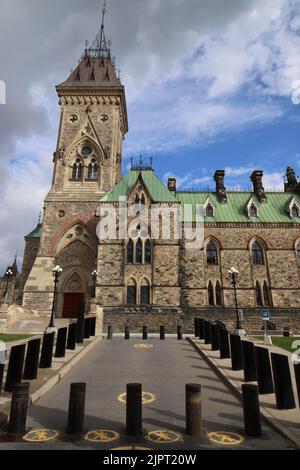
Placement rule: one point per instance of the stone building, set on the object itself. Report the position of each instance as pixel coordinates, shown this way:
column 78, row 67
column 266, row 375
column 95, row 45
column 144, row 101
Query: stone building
column 10, row 284
column 141, row 279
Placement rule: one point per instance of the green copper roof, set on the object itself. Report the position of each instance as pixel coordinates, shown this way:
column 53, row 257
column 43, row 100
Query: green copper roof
column 156, row 189
column 275, row 210
column 36, row 233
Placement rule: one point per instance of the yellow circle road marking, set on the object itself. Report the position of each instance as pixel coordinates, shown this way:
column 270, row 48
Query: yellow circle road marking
column 131, row 448
column 143, row 346
column 40, row 435
column 102, row 435
column 163, row 436
column 226, row 438
column 147, row 398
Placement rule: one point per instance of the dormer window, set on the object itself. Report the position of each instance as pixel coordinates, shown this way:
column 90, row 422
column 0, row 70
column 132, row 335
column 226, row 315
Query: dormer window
column 252, row 211
column 209, row 211
column 295, row 212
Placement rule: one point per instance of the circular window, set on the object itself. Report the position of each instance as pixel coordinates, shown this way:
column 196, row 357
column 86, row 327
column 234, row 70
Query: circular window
column 61, row 213
column 86, row 151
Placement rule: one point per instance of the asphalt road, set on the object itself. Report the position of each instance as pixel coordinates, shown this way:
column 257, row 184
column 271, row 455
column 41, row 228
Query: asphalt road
column 163, row 369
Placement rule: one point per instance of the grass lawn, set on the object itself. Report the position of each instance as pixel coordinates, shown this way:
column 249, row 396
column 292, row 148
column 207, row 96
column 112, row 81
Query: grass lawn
column 284, row 342
column 6, row 337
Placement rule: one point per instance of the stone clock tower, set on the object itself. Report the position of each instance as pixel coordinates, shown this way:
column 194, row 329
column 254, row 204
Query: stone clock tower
column 87, row 164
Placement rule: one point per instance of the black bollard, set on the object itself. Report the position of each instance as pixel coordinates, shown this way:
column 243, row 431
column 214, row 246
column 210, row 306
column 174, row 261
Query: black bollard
column 2, row 366
column 15, row 367
column 80, row 324
column 162, row 332
column 196, row 327
column 285, row 399
column 249, row 361
column 224, row 344
column 76, row 409
column 215, row 343
column 236, row 352
column 60, row 350
column 251, row 410
column 109, row 332
column 201, row 334
column 72, row 335
column 193, row 407
column 18, row 409
column 47, row 350
column 179, row 332
column 127, row 332
column 145, row 332
column 93, row 326
column 134, row 409
column 87, row 328
column 263, row 369
column 297, row 377
column 32, row 359
column 207, row 332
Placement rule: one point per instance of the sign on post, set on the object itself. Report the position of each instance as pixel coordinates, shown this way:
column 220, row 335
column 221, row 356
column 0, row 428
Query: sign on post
column 265, row 314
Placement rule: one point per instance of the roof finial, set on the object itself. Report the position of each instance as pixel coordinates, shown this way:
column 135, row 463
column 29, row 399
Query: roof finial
column 40, row 218
column 102, row 35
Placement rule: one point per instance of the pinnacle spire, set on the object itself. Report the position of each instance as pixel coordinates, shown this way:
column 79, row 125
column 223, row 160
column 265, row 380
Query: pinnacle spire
column 99, row 48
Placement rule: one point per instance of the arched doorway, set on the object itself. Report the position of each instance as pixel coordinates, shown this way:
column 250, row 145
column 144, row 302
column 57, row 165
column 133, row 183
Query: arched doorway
column 74, row 293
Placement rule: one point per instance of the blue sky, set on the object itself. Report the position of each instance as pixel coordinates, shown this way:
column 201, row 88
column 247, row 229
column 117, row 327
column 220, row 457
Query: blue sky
column 209, row 86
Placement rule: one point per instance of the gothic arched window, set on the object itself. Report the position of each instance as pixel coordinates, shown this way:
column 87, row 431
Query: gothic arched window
column 267, row 295
column 77, row 170
column 145, row 292
column 259, row 301
column 209, row 211
column 219, row 294
column 212, row 253
column 253, row 211
column 130, row 247
column 131, row 292
column 143, row 200
column 295, row 212
column 93, row 170
column 298, row 253
column 210, row 292
column 139, row 252
column 148, row 250
column 257, row 254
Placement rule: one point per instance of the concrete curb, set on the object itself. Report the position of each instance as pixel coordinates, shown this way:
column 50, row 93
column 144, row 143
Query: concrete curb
column 266, row 415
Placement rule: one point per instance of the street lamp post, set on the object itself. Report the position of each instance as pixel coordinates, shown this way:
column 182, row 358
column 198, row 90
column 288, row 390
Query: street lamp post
column 233, row 275
column 56, row 272
column 8, row 274
column 94, row 276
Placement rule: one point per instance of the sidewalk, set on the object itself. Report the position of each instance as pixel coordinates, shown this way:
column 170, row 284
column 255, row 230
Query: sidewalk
column 47, row 378
column 287, row 422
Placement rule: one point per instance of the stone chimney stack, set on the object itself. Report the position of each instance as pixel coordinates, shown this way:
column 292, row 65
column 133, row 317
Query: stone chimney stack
column 172, row 185
column 292, row 182
column 259, row 190
column 220, row 187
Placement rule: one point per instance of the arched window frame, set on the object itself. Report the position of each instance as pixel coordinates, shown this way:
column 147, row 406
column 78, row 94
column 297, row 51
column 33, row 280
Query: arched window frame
column 258, row 295
column 145, row 292
column 131, row 292
column 219, row 295
column 130, row 251
column 93, row 170
column 297, row 251
column 77, row 170
column 253, row 209
column 210, row 294
column 212, row 253
column 258, row 254
column 266, row 294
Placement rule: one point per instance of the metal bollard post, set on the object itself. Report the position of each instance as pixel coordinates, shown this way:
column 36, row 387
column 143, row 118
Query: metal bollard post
column 201, row 333
column 47, row 350
column 80, row 324
column 76, row 408
column 162, row 332
column 145, row 332
column 215, row 343
column 32, row 359
column 251, row 410
column 87, row 328
column 127, row 332
column 207, row 332
column 2, row 366
column 297, row 377
column 93, row 326
column 249, row 361
column 72, row 334
column 193, row 405
column 15, row 367
column 284, row 393
column 179, row 332
column 60, row 350
column 109, row 332
column 18, row 409
column 236, row 352
column 264, row 372
column 134, row 409
column 224, row 344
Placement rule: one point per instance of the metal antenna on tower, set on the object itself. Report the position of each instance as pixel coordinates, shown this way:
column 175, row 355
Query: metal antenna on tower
column 102, row 37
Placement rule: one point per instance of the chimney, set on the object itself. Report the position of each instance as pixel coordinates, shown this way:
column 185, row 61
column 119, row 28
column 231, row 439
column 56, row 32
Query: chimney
column 172, row 185
column 292, row 182
column 220, row 188
column 259, row 190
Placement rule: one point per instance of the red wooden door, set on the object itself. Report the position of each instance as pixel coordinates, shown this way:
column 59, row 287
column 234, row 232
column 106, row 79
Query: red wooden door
column 71, row 304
